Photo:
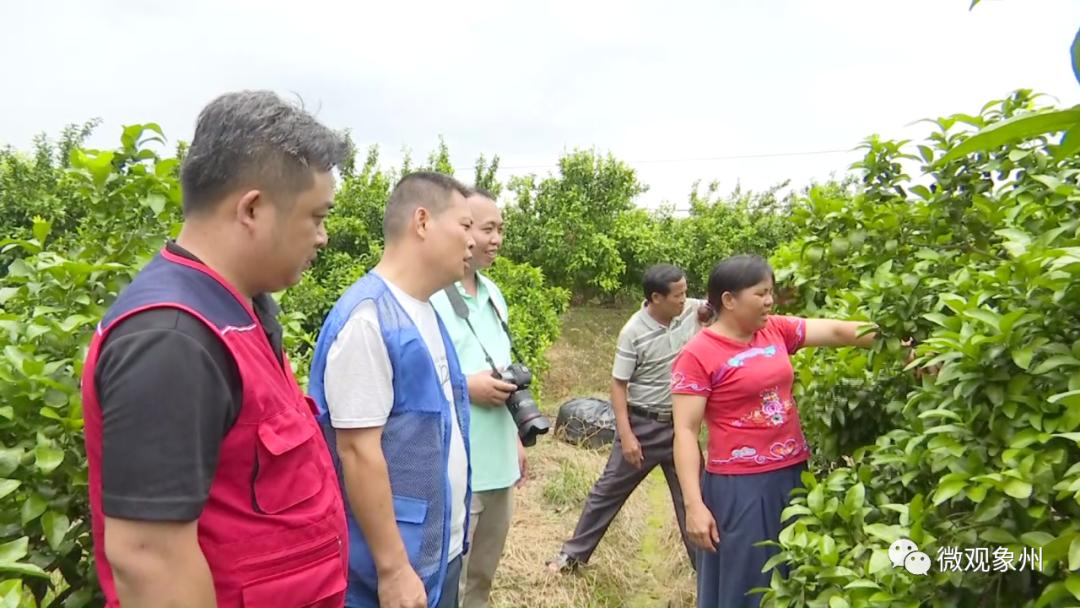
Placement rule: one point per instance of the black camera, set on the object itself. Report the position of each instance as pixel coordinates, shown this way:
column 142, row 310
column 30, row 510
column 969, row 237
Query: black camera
column 523, row 407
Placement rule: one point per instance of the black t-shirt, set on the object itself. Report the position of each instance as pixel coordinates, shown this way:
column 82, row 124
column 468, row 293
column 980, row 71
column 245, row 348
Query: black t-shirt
column 169, row 392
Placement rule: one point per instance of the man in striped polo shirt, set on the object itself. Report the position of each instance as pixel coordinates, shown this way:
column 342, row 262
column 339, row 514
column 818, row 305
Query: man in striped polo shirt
column 641, row 398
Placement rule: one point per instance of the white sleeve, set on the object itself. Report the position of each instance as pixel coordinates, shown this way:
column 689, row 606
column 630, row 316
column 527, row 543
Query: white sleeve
column 359, row 380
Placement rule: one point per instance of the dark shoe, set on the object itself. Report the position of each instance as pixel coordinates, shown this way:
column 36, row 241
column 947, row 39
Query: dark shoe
column 563, row 564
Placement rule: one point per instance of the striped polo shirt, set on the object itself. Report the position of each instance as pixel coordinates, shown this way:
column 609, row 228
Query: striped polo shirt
column 645, row 352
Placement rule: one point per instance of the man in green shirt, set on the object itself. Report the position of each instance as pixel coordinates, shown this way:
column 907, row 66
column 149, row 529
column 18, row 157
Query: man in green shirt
column 498, row 463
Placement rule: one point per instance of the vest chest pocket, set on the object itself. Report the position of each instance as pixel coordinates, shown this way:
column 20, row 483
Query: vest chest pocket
column 288, row 461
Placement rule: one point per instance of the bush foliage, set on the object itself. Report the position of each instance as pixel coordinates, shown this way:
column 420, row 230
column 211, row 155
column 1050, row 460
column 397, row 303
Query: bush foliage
column 977, row 257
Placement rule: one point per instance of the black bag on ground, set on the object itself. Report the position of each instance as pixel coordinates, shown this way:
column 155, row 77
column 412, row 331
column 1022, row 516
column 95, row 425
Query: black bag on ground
column 586, row 422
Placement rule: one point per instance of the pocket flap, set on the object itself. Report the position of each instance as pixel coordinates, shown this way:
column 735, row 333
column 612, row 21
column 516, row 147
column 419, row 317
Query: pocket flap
column 285, row 431
column 410, row 510
column 319, row 584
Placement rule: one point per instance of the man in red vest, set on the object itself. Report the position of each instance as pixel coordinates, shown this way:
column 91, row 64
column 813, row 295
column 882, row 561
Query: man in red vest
column 210, row 482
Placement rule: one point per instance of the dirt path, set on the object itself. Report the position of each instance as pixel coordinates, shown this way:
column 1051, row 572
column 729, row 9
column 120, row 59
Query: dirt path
column 641, row 562
column 651, row 558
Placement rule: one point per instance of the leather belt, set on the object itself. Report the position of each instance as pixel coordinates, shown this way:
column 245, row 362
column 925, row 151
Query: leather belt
column 657, row 415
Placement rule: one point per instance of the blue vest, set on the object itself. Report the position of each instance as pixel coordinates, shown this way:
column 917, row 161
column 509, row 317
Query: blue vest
column 415, row 440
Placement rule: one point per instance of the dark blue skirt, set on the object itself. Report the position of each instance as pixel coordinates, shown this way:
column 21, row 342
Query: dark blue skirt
column 747, row 510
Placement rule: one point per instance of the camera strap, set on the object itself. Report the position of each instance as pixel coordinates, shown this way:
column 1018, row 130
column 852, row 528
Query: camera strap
column 461, row 309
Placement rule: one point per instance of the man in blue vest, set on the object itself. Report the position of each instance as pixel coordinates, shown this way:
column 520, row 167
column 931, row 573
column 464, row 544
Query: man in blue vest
column 394, row 404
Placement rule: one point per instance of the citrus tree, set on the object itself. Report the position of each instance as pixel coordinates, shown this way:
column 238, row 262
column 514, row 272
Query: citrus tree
column 978, row 260
column 56, row 286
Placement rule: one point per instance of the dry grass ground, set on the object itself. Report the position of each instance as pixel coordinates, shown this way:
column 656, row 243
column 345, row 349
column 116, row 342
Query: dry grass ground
column 641, row 562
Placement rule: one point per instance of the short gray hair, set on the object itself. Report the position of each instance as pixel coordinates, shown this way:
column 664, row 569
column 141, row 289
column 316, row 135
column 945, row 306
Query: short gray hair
column 255, row 139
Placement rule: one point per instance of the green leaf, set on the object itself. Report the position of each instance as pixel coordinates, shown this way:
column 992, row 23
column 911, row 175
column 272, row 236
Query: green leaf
column 7, row 486
column 862, row 584
column 1036, row 539
column 889, row 534
column 1054, row 592
column 838, row 601
column 990, row 508
column 990, row 318
column 19, row 268
column 879, row 560
column 883, row 597
column 837, row 572
column 56, row 526
column 1017, row 488
column 774, row 561
column 1055, row 362
column 1074, row 553
column 1073, row 585
column 976, row 493
column 47, row 459
column 1070, row 144
column 1049, row 181
column 11, row 593
column 1018, row 155
column 33, row 508
column 938, row 318
column 1071, row 436
column 79, row 599
column 1022, row 357
column 948, row 489
column 998, row 535
column 1025, row 438
column 155, row 202
column 41, row 229
column 23, row 569
column 1014, row 129
column 829, row 555
column 15, row 550
column 941, row 413
column 9, row 460
column 816, row 499
column 55, row 398
column 1070, row 395
column 855, row 497
column 794, row 511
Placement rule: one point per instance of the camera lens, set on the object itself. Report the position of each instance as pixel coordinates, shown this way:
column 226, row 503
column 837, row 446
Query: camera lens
column 527, row 416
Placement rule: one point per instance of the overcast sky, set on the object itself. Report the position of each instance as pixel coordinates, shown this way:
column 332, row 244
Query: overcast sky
column 675, row 91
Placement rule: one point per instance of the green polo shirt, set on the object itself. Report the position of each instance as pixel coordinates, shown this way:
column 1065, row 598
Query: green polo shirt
column 493, row 436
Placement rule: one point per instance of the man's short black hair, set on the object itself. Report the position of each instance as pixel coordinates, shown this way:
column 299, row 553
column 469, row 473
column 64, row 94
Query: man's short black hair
column 428, row 189
column 658, row 279
column 477, row 191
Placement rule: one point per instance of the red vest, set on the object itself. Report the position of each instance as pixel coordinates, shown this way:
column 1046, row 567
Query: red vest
column 273, row 529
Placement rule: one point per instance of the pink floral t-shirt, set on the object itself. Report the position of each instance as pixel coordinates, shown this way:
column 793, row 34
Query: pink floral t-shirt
column 751, row 417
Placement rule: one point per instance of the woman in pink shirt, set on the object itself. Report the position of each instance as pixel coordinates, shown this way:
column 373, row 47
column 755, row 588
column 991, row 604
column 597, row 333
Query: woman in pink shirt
column 736, row 375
